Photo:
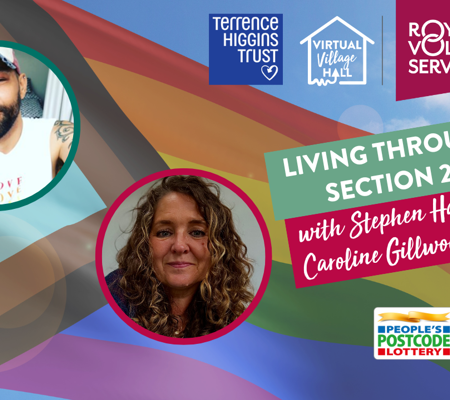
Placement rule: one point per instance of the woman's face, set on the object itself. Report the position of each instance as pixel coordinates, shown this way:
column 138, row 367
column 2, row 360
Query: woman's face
column 179, row 241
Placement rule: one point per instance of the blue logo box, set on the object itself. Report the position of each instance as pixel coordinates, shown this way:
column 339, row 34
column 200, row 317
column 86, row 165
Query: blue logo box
column 246, row 49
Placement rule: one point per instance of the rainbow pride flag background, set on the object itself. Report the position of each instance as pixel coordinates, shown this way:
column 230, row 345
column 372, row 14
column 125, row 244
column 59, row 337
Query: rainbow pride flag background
column 145, row 108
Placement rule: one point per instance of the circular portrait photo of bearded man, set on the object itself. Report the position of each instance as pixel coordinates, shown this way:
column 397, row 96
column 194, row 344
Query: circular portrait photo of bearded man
column 39, row 125
column 183, row 256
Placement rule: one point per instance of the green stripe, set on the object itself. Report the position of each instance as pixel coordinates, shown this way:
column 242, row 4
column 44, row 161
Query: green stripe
column 339, row 312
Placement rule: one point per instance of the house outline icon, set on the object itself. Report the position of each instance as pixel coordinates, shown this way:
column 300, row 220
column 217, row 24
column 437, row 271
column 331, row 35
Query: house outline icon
column 366, row 39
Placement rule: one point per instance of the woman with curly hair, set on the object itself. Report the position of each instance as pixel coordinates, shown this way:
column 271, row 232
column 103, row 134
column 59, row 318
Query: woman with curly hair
column 184, row 271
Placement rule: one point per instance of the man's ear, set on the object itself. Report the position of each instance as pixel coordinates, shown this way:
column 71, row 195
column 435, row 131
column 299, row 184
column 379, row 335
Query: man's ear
column 22, row 85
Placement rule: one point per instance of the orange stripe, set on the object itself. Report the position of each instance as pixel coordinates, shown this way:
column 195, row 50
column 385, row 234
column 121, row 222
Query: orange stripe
column 189, row 127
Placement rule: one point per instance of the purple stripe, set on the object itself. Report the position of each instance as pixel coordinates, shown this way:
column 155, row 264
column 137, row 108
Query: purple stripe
column 81, row 368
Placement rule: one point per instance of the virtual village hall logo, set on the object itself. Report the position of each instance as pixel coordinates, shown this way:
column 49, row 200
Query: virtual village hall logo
column 246, row 49
column 337, row 55
column 412, row 334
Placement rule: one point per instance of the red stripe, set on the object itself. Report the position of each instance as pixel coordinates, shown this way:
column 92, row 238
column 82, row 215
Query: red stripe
column 103, row 41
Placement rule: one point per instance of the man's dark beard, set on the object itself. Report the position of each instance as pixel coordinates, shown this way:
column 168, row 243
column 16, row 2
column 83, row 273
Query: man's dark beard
column 10, row 114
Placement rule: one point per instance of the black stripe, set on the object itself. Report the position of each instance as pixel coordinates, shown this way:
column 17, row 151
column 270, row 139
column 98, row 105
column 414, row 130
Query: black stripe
column 32, row 26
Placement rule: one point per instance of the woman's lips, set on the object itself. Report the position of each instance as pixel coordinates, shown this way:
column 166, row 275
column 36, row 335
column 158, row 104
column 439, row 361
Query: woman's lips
column 180, row 264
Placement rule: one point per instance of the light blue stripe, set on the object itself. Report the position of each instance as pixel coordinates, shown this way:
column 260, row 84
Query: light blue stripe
column 14, row 395
column 71, row 201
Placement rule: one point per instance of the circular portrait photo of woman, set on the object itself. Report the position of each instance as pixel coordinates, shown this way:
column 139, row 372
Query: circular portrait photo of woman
column 183, row 256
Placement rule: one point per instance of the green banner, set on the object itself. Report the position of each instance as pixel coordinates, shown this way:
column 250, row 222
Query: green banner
column 359, row 172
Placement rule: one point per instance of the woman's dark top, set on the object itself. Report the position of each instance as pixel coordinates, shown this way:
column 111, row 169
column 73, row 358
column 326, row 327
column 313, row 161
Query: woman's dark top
column 112, row 280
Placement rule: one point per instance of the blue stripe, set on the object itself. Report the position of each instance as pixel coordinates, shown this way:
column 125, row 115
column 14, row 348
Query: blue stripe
column 288, row 367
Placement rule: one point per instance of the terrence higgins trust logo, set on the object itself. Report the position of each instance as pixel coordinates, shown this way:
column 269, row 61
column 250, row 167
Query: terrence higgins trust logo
column 245, row 49
column 337, row 52
column 412, row 334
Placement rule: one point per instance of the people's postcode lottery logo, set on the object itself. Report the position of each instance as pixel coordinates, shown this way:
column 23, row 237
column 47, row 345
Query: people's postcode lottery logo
column 337, row 53
column 245, row 49
column 412, row 333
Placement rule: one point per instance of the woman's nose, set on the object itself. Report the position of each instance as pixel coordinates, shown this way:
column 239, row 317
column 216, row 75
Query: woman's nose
column 180, row 244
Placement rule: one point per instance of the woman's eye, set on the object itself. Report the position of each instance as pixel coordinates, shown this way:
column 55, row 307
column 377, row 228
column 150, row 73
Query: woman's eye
column 163, row 234
column 198, row 233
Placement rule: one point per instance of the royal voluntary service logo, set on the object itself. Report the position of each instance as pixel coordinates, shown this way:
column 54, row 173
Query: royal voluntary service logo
column 422, row 49
column 412, row 333
column 336, row 56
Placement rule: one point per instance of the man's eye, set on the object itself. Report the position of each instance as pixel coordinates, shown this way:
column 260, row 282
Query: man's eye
column 198, row 233
column 163, row 234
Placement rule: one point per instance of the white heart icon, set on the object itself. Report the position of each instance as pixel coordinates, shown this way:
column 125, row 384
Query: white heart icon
column 271, row 71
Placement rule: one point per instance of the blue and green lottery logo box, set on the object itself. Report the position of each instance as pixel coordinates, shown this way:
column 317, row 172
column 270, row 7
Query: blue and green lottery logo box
column 420, row 333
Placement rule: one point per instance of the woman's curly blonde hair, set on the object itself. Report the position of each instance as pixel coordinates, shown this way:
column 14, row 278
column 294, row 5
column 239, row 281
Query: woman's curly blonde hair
column 226, row 290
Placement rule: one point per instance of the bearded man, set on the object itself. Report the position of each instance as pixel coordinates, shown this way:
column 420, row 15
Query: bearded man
column 30, row 149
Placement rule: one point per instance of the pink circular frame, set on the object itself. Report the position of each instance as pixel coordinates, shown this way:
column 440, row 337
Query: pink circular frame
column 154, row 177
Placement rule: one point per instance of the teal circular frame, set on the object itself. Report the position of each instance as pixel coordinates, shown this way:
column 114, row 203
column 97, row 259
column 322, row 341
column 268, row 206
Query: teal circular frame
column 76, row 126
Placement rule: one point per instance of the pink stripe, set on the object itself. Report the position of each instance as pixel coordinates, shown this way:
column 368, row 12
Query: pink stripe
column 79, row 368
